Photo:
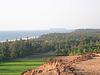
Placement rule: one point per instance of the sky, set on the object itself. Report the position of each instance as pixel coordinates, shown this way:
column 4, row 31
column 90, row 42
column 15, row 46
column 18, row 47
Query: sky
column 46, row 14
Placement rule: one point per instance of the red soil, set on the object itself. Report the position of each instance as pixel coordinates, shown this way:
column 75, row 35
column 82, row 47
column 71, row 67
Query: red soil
column 88, row 64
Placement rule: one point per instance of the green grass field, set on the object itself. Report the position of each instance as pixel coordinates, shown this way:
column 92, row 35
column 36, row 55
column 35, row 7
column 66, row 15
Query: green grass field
column 16, row 67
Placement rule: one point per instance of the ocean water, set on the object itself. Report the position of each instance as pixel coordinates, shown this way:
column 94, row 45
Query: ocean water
column 12, row 35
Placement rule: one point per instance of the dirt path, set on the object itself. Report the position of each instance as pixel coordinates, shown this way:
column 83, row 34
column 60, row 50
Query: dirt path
column 90, row 67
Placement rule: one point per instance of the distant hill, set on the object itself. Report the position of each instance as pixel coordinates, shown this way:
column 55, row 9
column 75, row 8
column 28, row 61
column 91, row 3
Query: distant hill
column 88, row 30
column 60, row 30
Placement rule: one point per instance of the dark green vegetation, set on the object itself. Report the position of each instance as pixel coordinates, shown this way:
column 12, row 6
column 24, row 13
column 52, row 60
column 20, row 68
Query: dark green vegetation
column 78, row 42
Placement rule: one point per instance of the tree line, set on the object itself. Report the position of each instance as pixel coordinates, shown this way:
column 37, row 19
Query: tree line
column 78, row 42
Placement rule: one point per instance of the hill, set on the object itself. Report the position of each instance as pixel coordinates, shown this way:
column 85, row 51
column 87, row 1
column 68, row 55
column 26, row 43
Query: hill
column 80, row 41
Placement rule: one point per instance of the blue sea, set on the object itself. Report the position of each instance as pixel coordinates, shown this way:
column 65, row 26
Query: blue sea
column 12, row 35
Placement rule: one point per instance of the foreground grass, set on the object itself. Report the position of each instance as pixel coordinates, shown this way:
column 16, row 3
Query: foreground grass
column 16, row 67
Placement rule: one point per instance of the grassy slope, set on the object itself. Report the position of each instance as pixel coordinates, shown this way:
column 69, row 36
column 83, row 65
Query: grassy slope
column 17, row 66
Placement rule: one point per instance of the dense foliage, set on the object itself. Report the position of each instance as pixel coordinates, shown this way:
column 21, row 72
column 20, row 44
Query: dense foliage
column 78, row 42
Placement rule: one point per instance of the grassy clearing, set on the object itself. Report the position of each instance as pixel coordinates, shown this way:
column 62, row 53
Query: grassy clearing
column 16, row 67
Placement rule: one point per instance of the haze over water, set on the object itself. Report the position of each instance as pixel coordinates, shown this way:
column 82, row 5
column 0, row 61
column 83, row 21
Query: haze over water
column 13, row 35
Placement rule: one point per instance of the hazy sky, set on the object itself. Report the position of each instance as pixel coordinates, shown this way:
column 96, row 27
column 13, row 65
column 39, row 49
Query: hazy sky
column 45, row 14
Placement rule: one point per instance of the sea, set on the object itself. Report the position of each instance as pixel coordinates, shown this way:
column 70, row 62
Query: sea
column 13, row 35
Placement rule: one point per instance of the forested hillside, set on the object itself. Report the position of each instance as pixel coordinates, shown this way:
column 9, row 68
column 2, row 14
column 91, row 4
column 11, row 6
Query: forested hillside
column 77, row 42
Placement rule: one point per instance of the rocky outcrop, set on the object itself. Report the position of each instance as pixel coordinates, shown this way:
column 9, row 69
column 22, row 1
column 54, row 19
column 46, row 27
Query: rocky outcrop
column 63, row 65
